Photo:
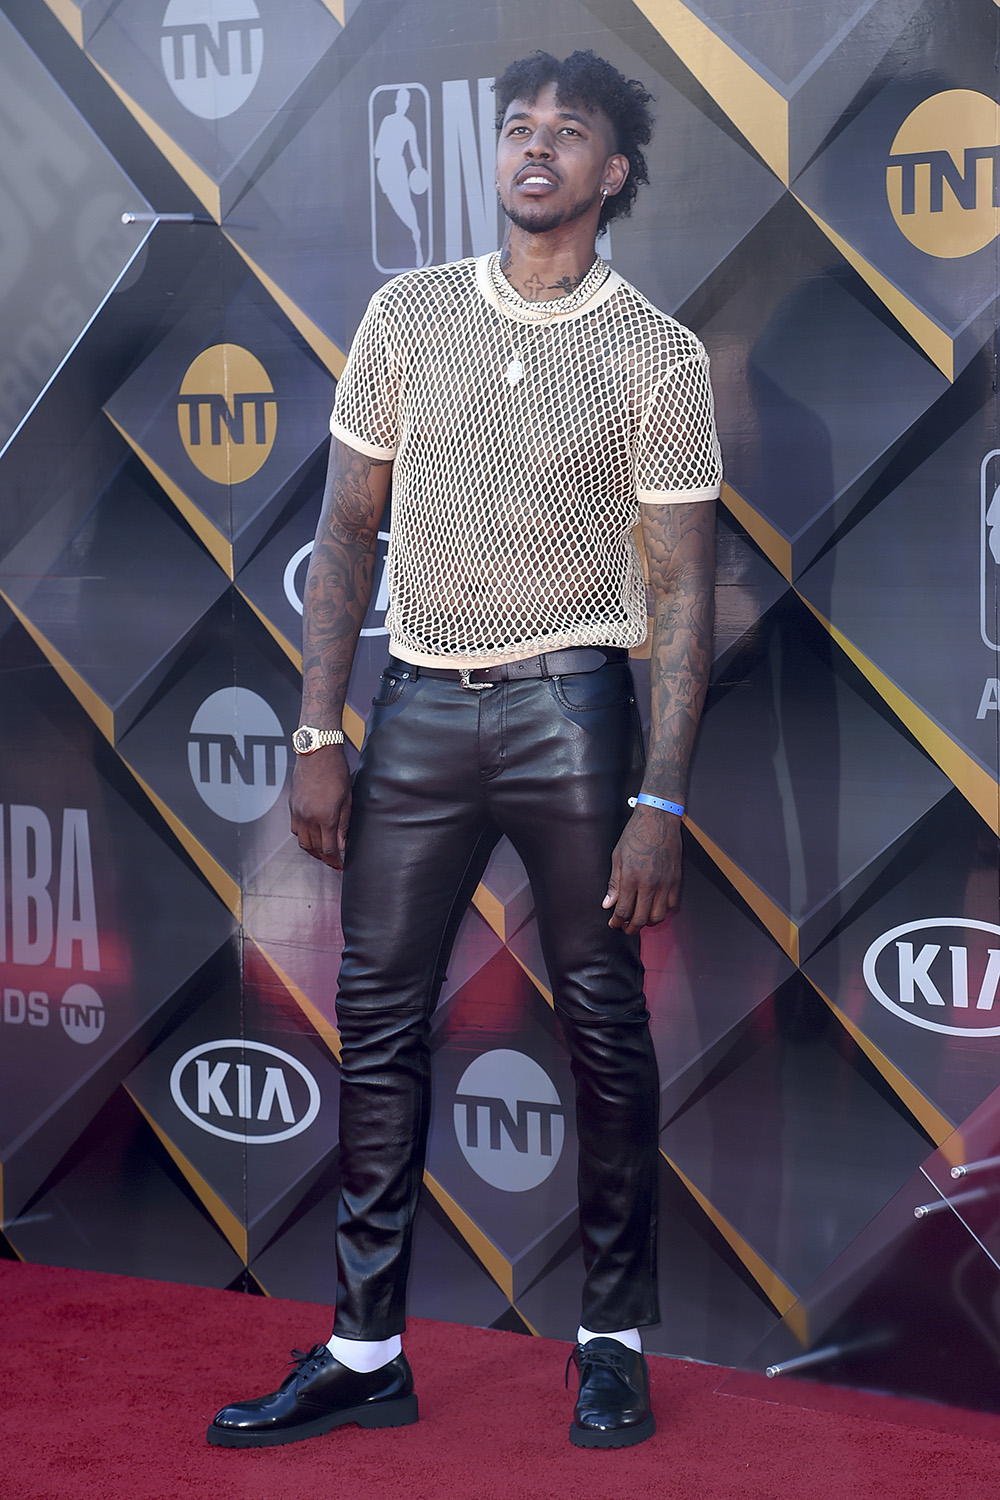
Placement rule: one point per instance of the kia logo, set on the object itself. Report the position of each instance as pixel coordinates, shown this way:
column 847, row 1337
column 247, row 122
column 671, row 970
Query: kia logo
column 942, row 974
column 242, row 1090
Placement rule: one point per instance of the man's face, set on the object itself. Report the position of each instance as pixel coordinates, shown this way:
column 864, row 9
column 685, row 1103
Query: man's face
column 553, row 160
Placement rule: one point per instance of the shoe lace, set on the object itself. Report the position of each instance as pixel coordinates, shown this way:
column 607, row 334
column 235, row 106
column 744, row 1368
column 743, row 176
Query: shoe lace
column 609, row 1358
column 310, row 1358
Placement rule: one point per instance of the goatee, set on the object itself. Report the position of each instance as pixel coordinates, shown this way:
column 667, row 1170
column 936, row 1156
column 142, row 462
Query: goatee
column 540, row 222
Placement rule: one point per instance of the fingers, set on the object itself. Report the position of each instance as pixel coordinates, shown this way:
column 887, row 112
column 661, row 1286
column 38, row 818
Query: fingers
column 642, row 909
column 613, row 883
column 320, row 806
column 630, row 903
column 639, row 904
column 325, row 842
column 645, row 872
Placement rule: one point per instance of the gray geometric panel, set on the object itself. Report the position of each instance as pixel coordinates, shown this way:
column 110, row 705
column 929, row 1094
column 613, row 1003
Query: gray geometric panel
column 933, row 253
column 476, row 943
column 708, row 968
column 802, row 784
column 907, row 585
column 214, row 78
column 804, row 436
column 232, row 454
column 214, row 746
column 965, row 1172
column 506, row 883
column 782, row 1148
column 446, row 1280
column 503, row 1140
column 914, row 972
column 273, row 581
column 246, row 1094
column 789, row 46
column 746, row 586
column 874, row 1319
column 709, row 1308
column 94, row 602
column 118, row 1203
column 291, row 909
column 63, row 245
column 105, row 923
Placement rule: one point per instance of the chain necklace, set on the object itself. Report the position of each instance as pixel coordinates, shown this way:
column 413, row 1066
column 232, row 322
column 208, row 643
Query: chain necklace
column 541, row 312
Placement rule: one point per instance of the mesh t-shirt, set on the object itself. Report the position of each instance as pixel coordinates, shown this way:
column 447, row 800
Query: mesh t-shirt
column 514, row 502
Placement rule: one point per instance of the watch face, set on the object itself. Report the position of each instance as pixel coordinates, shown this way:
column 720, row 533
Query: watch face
column 302, row 740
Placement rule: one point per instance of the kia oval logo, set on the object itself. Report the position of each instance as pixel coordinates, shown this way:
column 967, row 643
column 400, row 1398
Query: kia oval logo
column 942, row 974
column 241, row 1090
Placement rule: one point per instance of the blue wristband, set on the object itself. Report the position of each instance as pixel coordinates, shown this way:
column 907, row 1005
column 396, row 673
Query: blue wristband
column 660, row 802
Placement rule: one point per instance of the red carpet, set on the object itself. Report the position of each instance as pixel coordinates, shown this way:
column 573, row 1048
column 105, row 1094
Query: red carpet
column 108, row 1383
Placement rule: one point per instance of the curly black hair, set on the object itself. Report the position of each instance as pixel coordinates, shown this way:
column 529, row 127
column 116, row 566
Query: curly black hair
column 591, row 81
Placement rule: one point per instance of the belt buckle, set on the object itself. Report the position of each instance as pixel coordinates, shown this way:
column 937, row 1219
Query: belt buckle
column 465, row 675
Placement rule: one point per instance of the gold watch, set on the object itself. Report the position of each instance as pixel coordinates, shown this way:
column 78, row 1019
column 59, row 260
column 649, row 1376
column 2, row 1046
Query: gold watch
column 306, row 739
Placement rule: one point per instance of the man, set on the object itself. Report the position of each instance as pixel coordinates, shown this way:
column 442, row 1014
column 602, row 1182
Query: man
column 530, row 407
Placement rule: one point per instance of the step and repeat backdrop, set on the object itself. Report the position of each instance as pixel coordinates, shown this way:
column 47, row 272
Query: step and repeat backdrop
column 197, row 199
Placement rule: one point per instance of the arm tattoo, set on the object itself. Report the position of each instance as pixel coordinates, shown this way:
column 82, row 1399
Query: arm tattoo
column 680, row 547
column 339, row 582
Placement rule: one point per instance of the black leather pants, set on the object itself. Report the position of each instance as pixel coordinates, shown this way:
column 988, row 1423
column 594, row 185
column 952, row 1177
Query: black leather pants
column 444, row 772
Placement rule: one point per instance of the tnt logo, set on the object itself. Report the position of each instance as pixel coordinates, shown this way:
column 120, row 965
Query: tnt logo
column 212, row 51
column 237, row 754
column 294, row 580
column 942, row 974
column 509, row 1120
column 943, row 174
column 227, row 414
column 82, row 1013
column 245, row 1091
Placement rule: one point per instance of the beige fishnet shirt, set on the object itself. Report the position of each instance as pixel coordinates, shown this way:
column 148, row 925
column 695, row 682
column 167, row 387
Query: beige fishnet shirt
column 514, row 504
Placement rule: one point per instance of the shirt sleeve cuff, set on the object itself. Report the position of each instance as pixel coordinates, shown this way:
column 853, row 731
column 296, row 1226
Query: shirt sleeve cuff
column 370, row 450
column 678, row 497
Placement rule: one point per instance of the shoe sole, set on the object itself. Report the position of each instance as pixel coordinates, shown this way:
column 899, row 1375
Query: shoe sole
column 400, row 1413
column 612, row 1437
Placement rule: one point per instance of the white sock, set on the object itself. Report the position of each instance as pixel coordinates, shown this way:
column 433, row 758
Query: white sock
column 364, row 1355
column 630, row 1337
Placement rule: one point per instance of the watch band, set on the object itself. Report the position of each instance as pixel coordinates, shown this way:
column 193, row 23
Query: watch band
column 306, row 739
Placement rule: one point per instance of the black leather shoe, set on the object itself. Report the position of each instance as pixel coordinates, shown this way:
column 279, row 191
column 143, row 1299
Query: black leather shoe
column 318, row 1395
column 612, row 1409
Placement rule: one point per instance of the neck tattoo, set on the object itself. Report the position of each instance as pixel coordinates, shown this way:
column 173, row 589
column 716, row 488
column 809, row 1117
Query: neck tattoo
column 525, row 311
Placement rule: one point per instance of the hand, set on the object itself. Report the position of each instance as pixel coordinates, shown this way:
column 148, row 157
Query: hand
column 320, row 804
column 645, row 870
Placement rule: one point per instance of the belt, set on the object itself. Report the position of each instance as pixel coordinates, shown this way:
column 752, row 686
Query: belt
column 547, row 664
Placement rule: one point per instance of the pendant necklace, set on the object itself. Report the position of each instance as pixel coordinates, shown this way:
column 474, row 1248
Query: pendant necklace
column 540, row 312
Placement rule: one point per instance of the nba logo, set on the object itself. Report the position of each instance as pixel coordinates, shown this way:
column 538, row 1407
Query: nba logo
column 989, row 550
column 399, row 116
